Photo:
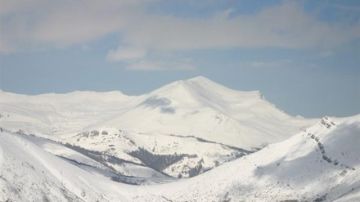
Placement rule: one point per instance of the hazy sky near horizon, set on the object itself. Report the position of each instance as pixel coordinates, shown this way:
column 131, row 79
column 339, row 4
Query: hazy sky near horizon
column 304, row 56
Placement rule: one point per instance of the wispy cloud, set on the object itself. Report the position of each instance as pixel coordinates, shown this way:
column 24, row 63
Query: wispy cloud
column 45, row 23
column 163, row 65
column 285, row 26
column 70, row 22
column 326, row 53
column 126, row 53
column 271, row 64
column 346, row 7
column 277, row 64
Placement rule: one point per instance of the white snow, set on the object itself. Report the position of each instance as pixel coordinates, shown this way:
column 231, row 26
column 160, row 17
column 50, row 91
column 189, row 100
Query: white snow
column 28, row 173
column 195, row 107
column 293, row 169
column 68, row 147
column 290, row 170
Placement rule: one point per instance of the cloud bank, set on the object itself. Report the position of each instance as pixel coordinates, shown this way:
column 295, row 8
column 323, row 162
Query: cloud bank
column 37, row 24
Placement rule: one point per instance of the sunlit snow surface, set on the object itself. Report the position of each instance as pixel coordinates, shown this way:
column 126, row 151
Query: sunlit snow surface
column 195, row 107
column 88, row 146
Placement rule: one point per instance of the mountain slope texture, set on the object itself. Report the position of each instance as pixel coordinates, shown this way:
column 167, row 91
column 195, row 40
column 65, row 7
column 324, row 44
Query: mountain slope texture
column 190, row 140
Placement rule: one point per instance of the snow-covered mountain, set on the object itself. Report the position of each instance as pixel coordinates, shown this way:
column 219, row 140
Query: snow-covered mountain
column 201, row 108
column 195, row 107
column 180, row 130
column 321, row 163
column 92, row 146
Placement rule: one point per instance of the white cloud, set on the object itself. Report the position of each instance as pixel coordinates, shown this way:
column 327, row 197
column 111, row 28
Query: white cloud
column 4, row 47
column 286, row 26
column 271, row 64
column 327, row 53
column 346, row 8
column 126, row 53
column 278, row 64
column 137, row 59
column 155, row 65
column 46, row 23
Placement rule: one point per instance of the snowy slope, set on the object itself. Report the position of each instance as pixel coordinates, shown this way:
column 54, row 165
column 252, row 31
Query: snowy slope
column 319, row 164
column 202, row 108
column 195, row 107
column 117, row 169
column 28, row 173
column 58, row 114
column 172, row 155
column 182, row 129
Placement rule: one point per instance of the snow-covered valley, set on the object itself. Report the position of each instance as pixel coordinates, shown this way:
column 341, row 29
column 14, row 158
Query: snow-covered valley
column 191, row 140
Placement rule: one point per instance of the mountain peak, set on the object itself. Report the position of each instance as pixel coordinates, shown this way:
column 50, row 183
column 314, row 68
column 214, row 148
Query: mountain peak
column 201, row 91
column 188, row 86
column 199, row 79
column 203, row 81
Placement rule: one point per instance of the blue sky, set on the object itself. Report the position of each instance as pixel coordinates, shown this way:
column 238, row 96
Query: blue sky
column 303, row 56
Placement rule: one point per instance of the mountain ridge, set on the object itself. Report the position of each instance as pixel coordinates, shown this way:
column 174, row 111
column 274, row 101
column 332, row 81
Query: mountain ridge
column 144, row 132
column 278, row 172
column 196, row 106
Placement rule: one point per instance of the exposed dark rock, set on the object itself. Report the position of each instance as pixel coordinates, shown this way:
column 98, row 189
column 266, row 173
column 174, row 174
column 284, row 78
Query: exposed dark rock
column 157, row 161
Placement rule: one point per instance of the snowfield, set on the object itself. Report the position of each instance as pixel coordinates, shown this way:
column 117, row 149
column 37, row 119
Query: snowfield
column 180, row 130
column 295, row 169
column 321, row 163
column 191, row 140
column 195, row 107
column 29, row 173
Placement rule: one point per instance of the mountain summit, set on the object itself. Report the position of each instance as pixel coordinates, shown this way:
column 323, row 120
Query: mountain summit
column 195, row 107
column 203, row 91
column 84, row 141
column 202, row 108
